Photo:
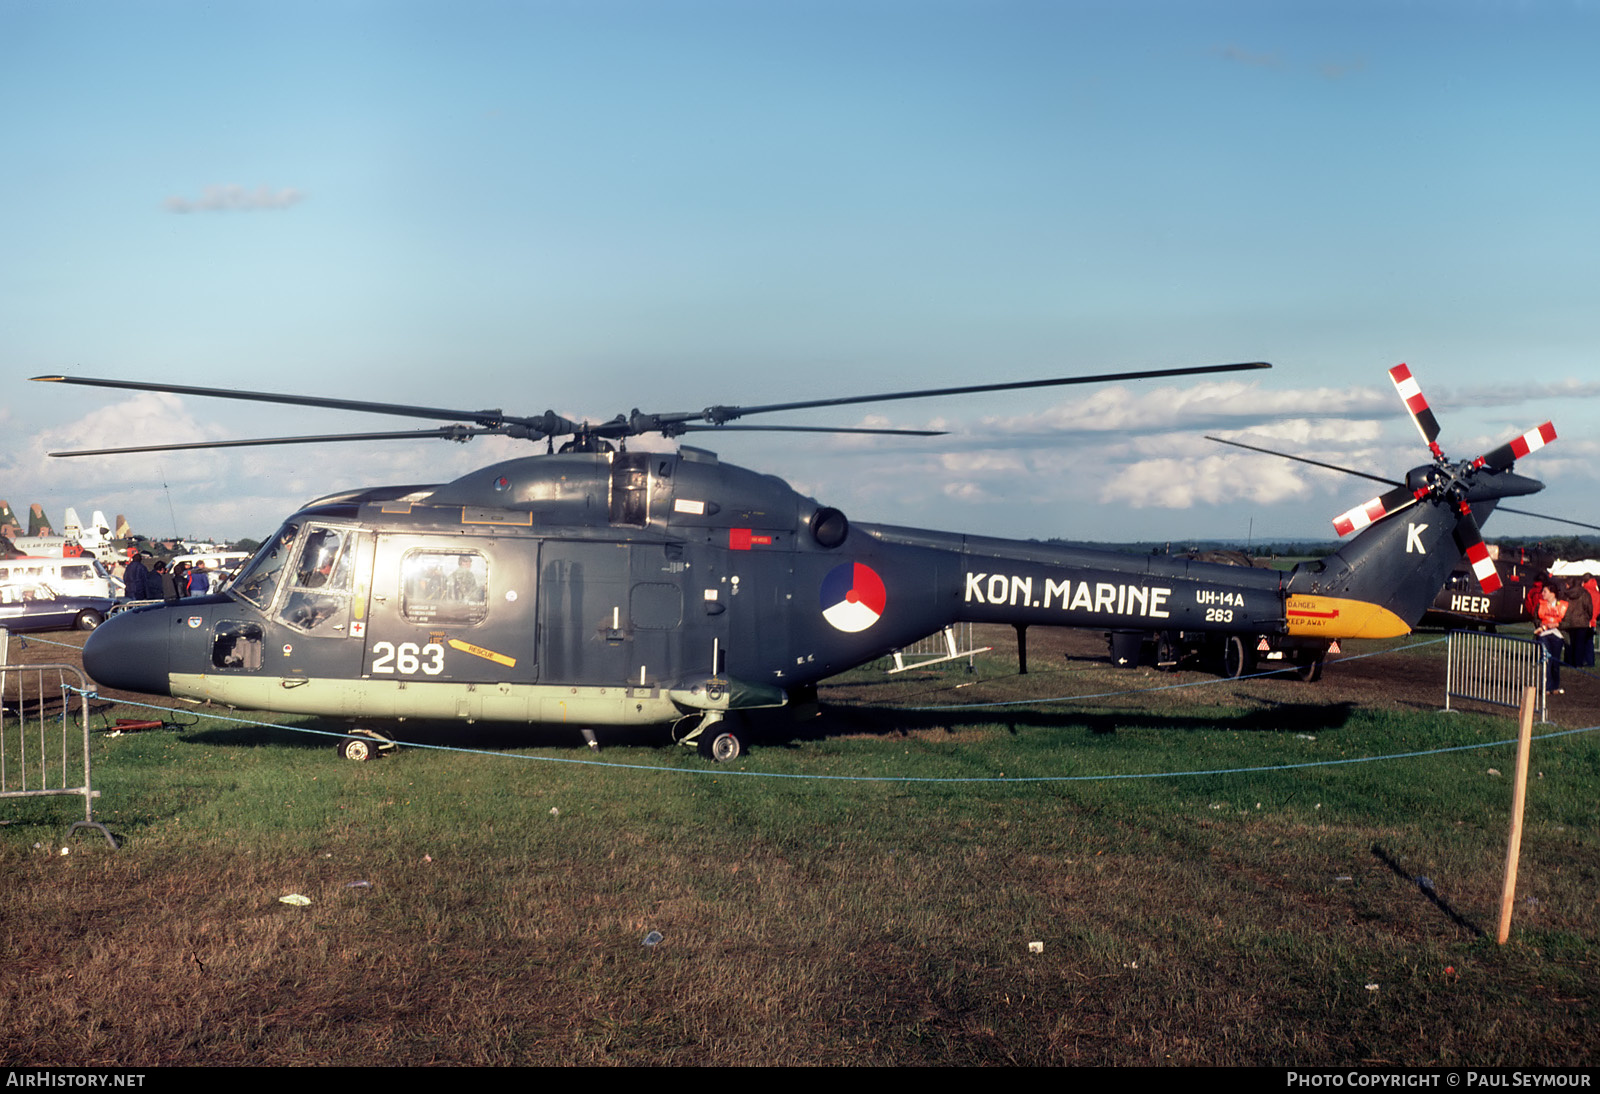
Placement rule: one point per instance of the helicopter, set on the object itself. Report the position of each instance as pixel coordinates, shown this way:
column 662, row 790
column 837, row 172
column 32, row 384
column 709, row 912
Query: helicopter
column 1463, row 604
column 595, row 587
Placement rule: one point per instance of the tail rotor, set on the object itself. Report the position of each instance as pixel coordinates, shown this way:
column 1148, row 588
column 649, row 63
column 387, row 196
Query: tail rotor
column 1457, row 485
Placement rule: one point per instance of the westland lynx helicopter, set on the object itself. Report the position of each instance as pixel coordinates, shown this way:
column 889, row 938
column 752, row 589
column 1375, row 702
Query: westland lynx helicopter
column 595, row 587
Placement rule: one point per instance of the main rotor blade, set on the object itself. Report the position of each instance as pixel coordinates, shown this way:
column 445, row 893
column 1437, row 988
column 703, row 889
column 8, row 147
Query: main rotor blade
column 542, row 424
column 688, row 428
column 1545, row 516
column 449, row 433
column 1305, row 459
column 720, row 414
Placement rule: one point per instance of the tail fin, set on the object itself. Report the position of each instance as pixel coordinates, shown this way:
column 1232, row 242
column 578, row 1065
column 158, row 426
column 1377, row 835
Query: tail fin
column 1411, row 537
column 94, row 536
column 1380, row 583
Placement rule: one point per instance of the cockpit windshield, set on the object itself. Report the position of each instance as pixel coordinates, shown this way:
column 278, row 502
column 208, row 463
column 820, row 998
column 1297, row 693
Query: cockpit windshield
column 259, row 579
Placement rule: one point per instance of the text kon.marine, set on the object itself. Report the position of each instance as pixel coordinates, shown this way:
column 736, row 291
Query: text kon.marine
column 1103, row 597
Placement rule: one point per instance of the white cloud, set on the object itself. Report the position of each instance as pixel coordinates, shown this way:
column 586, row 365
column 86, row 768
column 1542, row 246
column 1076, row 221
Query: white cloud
column 1214, row 480
column 982, row 462
column 1306, row 432
column 1510, row 394
column 967, row 491
column 1123, row 409
column 232, row 198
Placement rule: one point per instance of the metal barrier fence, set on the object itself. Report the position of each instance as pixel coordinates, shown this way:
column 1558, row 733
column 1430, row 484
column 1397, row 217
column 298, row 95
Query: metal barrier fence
column 953, row 642
column 44, row 735
column 1493, row 668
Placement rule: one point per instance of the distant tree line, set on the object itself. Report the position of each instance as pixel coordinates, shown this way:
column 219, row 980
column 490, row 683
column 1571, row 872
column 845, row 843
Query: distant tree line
column 1563, row 546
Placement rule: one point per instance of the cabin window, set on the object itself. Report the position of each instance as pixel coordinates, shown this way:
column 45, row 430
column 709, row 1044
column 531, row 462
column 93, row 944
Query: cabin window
column 444, row 587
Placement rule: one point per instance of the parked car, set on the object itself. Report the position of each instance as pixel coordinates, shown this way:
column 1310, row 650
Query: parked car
column 36, row 606
column 84, row 576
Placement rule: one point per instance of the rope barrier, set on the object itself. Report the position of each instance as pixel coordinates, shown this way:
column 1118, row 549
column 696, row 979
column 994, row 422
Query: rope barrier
column 730, row 773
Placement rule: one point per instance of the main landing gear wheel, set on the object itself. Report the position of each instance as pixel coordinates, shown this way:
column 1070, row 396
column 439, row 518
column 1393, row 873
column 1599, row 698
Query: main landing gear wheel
column 1238, row 659
column 363, row 746
column 721, row 745
column 1309, row 671
column 714, row 736
column 358, row 749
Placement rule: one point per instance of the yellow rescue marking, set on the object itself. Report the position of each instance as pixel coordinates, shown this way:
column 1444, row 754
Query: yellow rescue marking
column 1336, row 617
column 479, row 651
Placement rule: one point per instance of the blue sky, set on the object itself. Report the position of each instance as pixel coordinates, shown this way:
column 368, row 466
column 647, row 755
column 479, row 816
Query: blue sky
column 602, row 205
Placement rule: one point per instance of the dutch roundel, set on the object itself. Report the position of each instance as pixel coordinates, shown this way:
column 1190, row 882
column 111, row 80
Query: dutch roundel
column 852, row 597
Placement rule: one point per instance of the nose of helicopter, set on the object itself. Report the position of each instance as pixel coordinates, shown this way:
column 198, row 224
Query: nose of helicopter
column 128, row 652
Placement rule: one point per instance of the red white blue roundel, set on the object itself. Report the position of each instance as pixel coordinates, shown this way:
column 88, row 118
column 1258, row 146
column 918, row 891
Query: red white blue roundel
column 852, row 597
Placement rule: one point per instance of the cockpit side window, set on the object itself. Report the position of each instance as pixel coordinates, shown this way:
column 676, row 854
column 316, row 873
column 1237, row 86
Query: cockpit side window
column 318, row 597
column 324, row 560
column 259, row 580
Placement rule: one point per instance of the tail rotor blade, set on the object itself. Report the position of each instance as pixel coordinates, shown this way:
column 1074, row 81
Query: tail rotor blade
column 1417, row 404
column 1477, row 552
column 1508, row 454
column 1375, row 510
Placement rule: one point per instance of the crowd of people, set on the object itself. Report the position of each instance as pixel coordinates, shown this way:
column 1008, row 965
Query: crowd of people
column 155, row 580
column 1564, row 611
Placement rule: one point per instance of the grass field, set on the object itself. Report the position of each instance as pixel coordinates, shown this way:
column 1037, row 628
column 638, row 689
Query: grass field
column 491, row 908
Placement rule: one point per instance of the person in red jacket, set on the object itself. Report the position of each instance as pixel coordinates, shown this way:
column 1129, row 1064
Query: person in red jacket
column 1551, row 611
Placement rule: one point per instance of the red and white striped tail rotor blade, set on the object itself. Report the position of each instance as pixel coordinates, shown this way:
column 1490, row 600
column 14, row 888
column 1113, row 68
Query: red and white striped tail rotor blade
column 1483, row 567
column 1508, row 454
column 1375, row 510
column 1417, row 404
column 1477, row 552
